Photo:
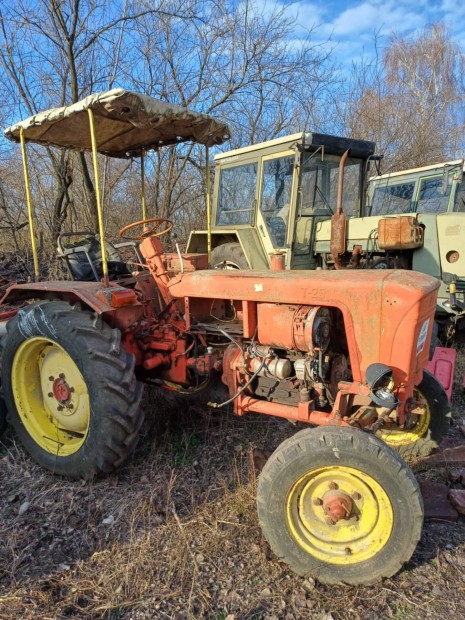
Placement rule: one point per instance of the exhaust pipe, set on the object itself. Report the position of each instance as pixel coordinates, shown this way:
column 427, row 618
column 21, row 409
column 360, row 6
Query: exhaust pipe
column 337, row 244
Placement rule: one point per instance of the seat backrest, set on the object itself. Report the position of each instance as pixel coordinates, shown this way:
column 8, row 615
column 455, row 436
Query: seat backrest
column 84, row 260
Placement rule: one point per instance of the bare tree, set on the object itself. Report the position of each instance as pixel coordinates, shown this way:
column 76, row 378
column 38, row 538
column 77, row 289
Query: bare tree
column 235, row 61
column 410, row 99
column 53, row 52
column 231, row 61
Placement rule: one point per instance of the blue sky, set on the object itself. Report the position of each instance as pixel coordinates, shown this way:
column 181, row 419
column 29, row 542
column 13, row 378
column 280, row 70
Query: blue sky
column 352, row 25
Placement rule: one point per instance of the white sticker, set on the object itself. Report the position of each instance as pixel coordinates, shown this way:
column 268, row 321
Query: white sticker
column 258, row 288
column 422, row 337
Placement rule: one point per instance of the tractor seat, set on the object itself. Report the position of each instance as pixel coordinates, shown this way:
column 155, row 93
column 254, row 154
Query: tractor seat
column 83, row 258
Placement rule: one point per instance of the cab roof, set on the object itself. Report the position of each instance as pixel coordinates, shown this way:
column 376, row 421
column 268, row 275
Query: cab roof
column 307, row 141
column 126, row 124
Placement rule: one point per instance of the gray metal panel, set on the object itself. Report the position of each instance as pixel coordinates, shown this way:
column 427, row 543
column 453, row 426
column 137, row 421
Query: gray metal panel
column 253, row 249
column 426, row 259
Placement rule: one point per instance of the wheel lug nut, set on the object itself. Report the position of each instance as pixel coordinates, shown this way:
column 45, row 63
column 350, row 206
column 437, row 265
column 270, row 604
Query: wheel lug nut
column 60, row 408
column 348, row 551
column 317, row 501
column 356, row 495
column 333, row 486
column 71, row 406
column 62, row 375
column 71, row 389
column 51, row 378
column 329, row 521
column 50, row 394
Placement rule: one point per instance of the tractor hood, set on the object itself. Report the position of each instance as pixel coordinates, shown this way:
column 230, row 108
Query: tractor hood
column 126, row 124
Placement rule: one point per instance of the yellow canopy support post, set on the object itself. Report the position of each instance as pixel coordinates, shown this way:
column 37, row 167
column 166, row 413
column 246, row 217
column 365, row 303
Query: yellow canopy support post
column 30, row 213
column 101, row 229
column 208, row 204
column 142, row 181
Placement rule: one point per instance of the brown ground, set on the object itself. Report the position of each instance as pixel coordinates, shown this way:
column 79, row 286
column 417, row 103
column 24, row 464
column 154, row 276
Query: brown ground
column 174, row 535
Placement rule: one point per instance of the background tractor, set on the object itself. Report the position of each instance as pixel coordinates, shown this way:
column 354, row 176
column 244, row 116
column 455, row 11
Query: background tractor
column 436, row 196
column 343, row 350
column 290, row 197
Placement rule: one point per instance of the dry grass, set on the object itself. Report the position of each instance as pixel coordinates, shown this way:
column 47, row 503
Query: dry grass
column 174, row 535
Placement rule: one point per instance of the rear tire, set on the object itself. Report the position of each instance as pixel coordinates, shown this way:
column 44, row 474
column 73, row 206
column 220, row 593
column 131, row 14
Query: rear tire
column 229, row 256
column 2, row 417
column 70, row 389
column 317, row 468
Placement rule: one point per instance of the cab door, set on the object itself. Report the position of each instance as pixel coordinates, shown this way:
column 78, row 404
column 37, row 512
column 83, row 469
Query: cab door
column 315, row 188
column 276, row 199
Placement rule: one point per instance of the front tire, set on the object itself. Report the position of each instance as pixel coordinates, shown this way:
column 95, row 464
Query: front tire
column 339, row 505
column 229, row 256
column 70, row 389
column 427, row 430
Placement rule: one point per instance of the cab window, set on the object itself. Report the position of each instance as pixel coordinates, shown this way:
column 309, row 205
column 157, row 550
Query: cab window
column 319, row 182
column 393, row 198
column 459, row 203
column 276, row 197
column 432, row 196
column 237, row 195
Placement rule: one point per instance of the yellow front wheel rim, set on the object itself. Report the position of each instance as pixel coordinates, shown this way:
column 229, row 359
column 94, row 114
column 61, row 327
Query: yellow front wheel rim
column 360, row 535
column 51, row 396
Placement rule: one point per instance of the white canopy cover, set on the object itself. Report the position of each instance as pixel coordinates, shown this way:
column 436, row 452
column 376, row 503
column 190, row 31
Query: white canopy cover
column 126, row 124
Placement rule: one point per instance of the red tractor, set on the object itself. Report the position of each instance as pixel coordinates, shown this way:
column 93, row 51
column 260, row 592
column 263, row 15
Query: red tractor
column 344, row 351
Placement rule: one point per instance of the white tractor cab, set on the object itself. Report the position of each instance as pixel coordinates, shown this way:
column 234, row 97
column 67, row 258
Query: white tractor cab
column 271, row 198
column 435, row 194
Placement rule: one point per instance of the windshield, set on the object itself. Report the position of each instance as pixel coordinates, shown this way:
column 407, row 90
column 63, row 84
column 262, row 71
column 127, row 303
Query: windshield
column 393, row 198
column 319, row 183
column 427, row 194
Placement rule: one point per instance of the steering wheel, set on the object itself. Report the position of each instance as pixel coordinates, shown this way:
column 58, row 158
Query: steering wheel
column 148, row 232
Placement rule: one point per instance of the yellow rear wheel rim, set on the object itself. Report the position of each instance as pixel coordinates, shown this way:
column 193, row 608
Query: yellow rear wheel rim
column 396, row 437
column 51, row 396
column 356, row 539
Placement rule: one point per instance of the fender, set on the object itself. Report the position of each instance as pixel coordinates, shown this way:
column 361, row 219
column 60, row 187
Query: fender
column 117, row 312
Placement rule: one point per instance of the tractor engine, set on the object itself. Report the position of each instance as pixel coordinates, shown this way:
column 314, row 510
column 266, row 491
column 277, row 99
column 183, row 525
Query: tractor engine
column 296, row 354
column 290, row 360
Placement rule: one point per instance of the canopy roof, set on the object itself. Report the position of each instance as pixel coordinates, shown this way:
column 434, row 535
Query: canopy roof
column 126, row 124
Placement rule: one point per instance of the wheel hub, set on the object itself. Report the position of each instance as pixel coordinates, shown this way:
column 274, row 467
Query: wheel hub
column 61, row 391
column 337, row 505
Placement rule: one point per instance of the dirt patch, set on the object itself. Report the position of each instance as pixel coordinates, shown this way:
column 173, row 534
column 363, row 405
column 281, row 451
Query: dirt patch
column 174, row 535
